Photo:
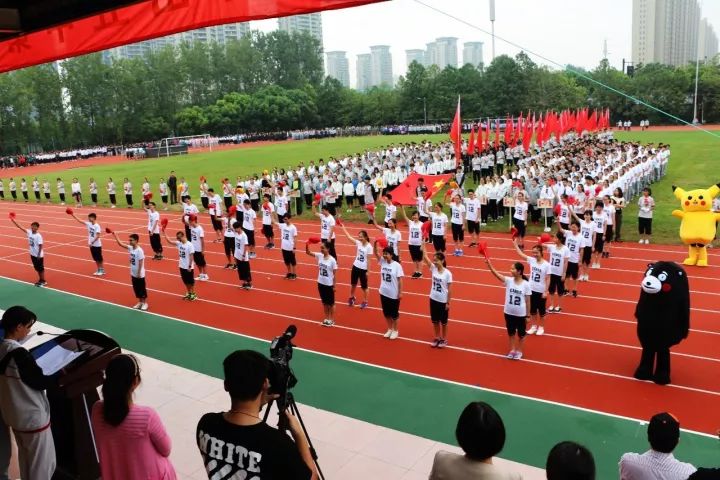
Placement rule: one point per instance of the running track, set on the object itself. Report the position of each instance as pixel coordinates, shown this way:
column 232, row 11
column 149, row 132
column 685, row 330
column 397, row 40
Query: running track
column 586, row 359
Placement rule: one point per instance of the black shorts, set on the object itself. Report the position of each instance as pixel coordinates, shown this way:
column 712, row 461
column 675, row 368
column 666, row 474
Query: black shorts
column 571, row 271
column 164, row 198
column 129, row 200
column 557, row 284
column 520, row 226
column 47, row 196
column 267, row 230
column 358, row 274
column 93, row 197
column 205, row 201
column 438, row 242
column 458, row 232
column 599, row 242
column 609, row 233
column 139, row 287
column 289, row 257
column 96, row 254
column 243, row 269
column 251, row 237
column 37, row 195
column 327, row 294
column 645, row 226
column 199, row 258
column 415, row 253
column 188, row 276
column 216, row 224
column 473, row 227
column 38, row 263
column 390, row 307
column 229, row 244
column 586, row 256
column 515, row 325
column 537, row 303
column 349, row 199
column 438, row 312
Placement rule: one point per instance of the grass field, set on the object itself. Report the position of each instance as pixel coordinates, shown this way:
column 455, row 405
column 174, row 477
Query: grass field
column 692, row 166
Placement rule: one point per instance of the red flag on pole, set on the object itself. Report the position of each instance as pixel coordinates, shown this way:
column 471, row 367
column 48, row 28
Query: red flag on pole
column 471, row 141
column 487, row 133
column 456, row 134
column 508, row 130
column 479, row 141
column 497, row 134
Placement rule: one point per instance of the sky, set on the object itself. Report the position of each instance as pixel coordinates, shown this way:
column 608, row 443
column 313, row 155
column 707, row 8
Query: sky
column 565, row 31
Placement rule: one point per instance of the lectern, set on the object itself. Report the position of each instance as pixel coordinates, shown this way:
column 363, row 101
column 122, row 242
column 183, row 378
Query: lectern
column 72, row 400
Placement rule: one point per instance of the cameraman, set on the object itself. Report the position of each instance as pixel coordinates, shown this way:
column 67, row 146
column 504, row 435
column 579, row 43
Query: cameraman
column 237, row 441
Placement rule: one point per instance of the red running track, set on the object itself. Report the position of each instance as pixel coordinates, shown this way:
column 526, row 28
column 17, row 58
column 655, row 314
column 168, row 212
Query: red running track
column 586, row 359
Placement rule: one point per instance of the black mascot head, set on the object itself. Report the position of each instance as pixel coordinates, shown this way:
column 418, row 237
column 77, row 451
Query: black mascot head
column 663, row 311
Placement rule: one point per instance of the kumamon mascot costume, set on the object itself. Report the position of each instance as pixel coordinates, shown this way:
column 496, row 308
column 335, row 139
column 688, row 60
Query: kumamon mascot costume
column 663, row 318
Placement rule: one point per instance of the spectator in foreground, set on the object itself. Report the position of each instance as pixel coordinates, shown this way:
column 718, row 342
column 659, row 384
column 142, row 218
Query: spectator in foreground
column 658, row 463
column 480, row 432
column 570, row 461
column 267, row 453
column 705, row 474
column 131, row 439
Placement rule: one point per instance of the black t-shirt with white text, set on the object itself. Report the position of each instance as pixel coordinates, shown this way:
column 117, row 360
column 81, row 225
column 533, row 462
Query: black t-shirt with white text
column 254, row 452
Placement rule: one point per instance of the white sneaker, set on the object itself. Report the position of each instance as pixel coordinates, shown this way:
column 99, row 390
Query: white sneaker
column 144, row 307
column 205, row 277
column 388, row 333
column 394, row 334
column 647, row 242
column 113, row 206
column 137, row 306
column 540, row 331
column 532, row 330
column 641, row 241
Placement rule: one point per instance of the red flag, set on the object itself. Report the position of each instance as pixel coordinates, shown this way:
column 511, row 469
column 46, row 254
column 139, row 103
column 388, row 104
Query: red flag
column 480, row 146
column 456, row 134
column 497, row 134
column 527, row 134
column 508, row 130
column 471, row 141
column 404, row 194
column 518, row 131
column 487, row 133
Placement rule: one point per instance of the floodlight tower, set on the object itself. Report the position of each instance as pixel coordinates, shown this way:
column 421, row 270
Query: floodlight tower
column 492, row 26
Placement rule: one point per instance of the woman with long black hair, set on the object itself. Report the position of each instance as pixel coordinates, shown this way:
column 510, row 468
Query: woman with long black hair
column 516, row 309
column 440, row 295
column 131, row 439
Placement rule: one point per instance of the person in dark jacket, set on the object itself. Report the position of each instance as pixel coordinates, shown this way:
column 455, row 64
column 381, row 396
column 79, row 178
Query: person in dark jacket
column 172, row 186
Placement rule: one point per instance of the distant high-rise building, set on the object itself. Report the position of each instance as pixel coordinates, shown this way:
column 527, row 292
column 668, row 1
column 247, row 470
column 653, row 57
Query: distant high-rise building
column 338, row 67
column 363, row 71
column 221, row 34
column 442, row 52
column 666, row 31
column 415, row 55
column 473, row 53
column 311, row 23
column 707, row 41
column 381, row 72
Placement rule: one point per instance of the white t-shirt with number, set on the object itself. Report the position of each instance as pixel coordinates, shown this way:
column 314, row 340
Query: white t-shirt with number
column 196, row 234
column 440, row 285
column 472, row 205
column 185, row 255
column 93, row 234
column 558, row 255
column 287, row 237
column 521, row 209
column 390, row 211
column 326, row 269
column 241, row 242
column 574, row 243
column 228, row 230
column 189, row 210
column 153, row 222
column 136, row 255
column 586, row 233
column 415, row 233
column 390, row 273
column 538, row 273
column 599, row 222
column 439, row 221
column 327, row 222
column 393, row 239
column 362, row 255
column 34, row 242
column 515, row 295
column 249, row 217
column 457, row 213
column 267, row 210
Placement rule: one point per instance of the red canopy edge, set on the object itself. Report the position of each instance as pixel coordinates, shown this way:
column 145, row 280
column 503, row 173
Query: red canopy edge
column 145, row 20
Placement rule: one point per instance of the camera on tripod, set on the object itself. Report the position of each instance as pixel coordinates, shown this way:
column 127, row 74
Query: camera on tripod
column 281, row 376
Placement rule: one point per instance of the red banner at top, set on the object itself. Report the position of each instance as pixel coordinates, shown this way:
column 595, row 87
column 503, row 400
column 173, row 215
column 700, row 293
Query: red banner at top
column 145, row 20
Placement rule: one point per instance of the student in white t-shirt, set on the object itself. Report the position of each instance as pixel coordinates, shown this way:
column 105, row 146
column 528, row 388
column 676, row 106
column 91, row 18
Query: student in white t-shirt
column 197, row 238
column 558, row 254
column 37, row 249
column 415, row 242
column 390, row 209
column 390, row 290
column 248, row 225
column 392, row 235
column 94, row 241
column 153, row 227
column 599, row 219
column 229, row 237
column 519, row 218
column 137, row 269
column 609, row 211
column 457, row 224
column 327, row 266
column 439, row 223
column 242, row 258
column 327, row 228
column 76, row 191
column 185, row 263
column 288, row 232
column 268, row 213
column 93, row 192
column 539, row 284
column 472, row 207
column 112, row 192
column 361, row 265
column 516, row 306
column 440, row 295
column 127, row 189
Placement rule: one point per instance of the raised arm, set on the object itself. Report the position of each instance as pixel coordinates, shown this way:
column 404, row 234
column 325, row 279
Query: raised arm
column 347, row 234
column 122, row 245
column 493, row 271
column 76, row 218
column 307, row 250
column 517, row 249
column 376, row 252
column 17, row 224
column 426, row 258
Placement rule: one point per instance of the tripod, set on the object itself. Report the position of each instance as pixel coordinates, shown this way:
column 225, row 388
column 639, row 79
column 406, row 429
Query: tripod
column 284, row 426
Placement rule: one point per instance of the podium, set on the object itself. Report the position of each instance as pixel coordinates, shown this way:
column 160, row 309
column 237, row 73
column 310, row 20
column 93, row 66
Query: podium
column 72, row 400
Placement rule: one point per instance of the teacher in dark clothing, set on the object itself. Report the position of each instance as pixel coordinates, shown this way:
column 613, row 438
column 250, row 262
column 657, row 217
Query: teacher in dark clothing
column 172, row 186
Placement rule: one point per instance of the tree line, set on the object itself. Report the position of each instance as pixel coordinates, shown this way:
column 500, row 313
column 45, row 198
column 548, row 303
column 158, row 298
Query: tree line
column 275, row 81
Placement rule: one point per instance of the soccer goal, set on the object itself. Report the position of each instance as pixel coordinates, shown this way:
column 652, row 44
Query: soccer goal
column 179, row 145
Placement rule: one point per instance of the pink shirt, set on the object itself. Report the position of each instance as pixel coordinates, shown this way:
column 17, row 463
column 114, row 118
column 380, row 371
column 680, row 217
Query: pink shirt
column 136, row 449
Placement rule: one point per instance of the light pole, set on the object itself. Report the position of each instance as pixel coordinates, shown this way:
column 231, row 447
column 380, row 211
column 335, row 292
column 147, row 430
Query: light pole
column 492, row 25
column 424, row 108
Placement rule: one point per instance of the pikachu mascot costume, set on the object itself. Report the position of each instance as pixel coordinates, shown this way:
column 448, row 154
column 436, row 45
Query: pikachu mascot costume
column 697, row 228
